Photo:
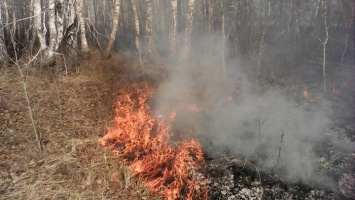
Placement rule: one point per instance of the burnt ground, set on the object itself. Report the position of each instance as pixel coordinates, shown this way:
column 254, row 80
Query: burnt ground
column 232, row 178
column 71, row 112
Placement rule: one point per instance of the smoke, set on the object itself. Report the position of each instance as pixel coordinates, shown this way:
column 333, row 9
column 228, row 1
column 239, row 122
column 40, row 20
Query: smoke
column 235, row 116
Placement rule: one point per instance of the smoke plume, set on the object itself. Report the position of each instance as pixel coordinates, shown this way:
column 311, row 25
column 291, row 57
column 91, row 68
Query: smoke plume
column 234, row 115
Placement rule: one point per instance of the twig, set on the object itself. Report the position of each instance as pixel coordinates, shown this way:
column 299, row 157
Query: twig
column 15, row 21
column 59, row 103
column 278, row 158
column 260, row 124
column 88, row 22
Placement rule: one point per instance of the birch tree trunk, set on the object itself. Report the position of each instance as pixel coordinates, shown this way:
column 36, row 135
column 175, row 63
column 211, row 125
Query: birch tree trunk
column 188, row 30
column 112, row 38
column 40, row 29
column 81, row 23
column 324, row 43
column 3, row 52
column 37, row 24
column 55, row 23
column 70, row 37
column 224, row 41
column 210, row 24
column 173, row 28
column 52, row 26
column 137, row 31
column 149, row 39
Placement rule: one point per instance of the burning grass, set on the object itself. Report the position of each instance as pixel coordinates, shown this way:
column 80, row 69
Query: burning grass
column 143, row 142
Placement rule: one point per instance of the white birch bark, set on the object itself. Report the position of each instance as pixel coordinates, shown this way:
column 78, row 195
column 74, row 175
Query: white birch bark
column 224, row 41
column 324, row 43
column 53, row 34
column 3, row 52
column 40, row 29
column 188, row 30
column 137, row 30
column 55, row 25
column 59, row 19
column 114, row 28
column 173, row 27
column 149, row 30
column 37, row 24
column 81, row 23
column 210, row 25
column 72, row 40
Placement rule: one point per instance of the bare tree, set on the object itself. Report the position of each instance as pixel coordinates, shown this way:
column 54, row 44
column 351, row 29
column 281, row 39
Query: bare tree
column 55, row 23
column 149, row 36
column 3, row 52
column 115, row 20
column 210, row 23
column 81, row 23
column 173, row 26
column 137, row 31
column 223, row 40
column 70, row 37
column 56, row 28
column 324, row 43
column 188, row 30
column 38, row 27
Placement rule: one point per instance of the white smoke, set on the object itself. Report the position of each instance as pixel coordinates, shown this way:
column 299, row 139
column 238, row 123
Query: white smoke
column 232, row 112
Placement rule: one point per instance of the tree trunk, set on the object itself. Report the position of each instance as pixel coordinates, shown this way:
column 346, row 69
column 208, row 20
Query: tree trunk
column 188, row 30
column 137, row 31
column 37, row 24
column 81, row 23
column 210, row 25
column 224, row 41
column 45, row 52
column 149, row 37
column 112, row 38
column 324, row 43
column 55, row 23
column 70, row 38
column 173, row 30
column 4, row 59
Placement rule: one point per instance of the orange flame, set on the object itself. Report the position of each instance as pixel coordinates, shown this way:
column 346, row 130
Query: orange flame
column 173, row 115
column 306, row 95
column 194, row 108
column 143, row 142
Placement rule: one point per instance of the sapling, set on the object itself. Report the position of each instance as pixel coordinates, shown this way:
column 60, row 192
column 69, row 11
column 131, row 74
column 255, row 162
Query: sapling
column 260, row 124
column 278, row 158
column 24, row 85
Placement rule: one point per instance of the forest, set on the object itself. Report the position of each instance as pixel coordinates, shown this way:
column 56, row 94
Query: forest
column 177, row 99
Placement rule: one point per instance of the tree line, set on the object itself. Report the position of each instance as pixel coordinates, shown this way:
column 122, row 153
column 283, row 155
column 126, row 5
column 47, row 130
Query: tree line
column 265, row 32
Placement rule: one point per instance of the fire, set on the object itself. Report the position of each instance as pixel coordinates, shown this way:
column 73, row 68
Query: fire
column 143, row 142
column 306, row 95
column 173, row 115
column 194, row 108
column 335, row 91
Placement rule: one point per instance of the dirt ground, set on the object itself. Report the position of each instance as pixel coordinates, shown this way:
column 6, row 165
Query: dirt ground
column 70, row 113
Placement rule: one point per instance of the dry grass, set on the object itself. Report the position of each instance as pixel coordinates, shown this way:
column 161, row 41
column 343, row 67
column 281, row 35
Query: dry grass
column 71, row 113
column 86, row 172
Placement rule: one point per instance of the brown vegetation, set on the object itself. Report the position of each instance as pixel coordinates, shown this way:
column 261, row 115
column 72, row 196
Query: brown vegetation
column 71, row 113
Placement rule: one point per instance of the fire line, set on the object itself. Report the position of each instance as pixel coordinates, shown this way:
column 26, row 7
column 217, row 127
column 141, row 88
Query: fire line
column 143, row 143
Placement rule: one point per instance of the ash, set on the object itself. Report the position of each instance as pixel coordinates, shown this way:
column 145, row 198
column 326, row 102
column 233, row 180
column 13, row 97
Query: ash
column 229, row 178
